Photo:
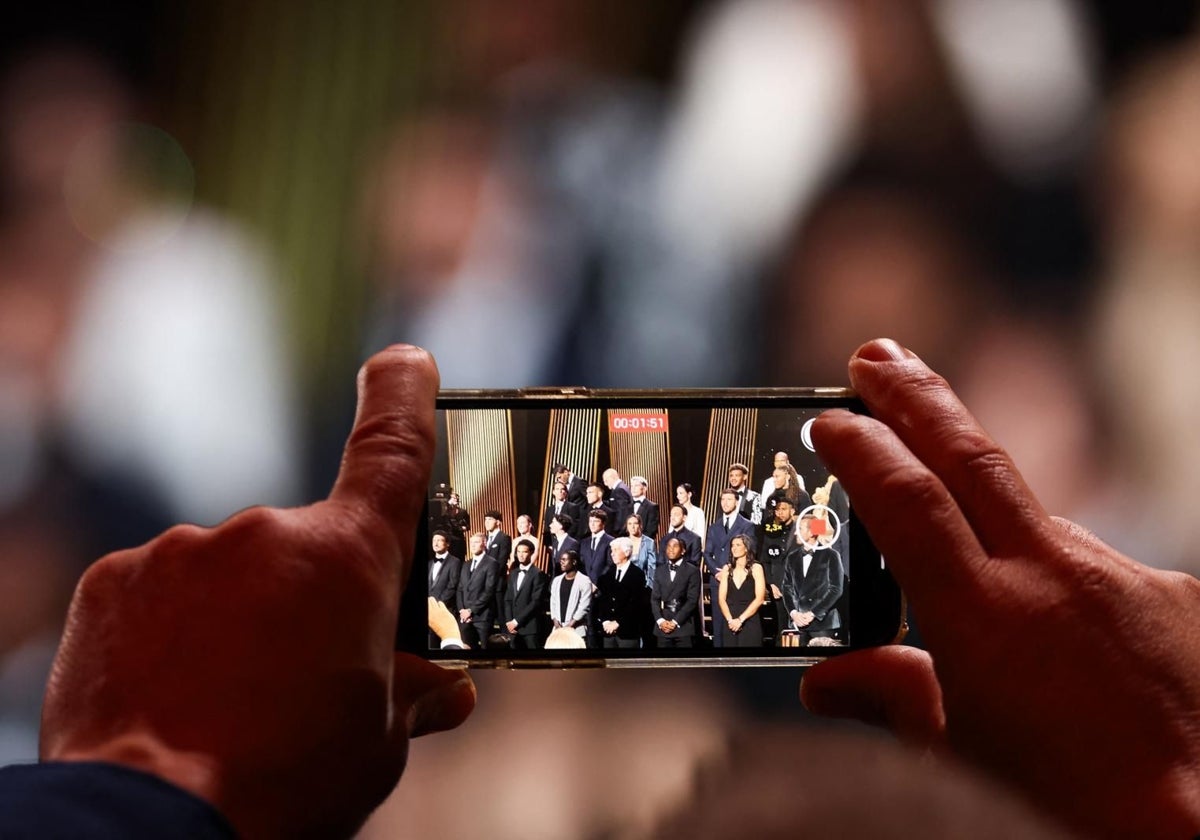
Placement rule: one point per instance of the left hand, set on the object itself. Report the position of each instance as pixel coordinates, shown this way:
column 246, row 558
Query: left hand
column 252, row 663
column 805, row 619
column 512, row 626
column 610, row 627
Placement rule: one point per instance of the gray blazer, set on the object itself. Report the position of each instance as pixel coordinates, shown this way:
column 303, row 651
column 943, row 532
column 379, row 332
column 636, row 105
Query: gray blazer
column 579, row 601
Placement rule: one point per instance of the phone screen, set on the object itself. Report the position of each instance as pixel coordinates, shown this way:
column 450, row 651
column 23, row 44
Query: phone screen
column 642, row 529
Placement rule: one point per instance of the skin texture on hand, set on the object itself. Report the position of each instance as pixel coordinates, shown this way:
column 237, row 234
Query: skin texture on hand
column 252, row 663
column 1061, row 667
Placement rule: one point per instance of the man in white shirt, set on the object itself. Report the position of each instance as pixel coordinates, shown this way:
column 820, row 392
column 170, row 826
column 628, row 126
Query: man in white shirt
column 781, row 460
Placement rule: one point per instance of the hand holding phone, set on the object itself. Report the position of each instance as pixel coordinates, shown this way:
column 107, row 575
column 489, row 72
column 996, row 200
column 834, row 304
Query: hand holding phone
column 1063, row 667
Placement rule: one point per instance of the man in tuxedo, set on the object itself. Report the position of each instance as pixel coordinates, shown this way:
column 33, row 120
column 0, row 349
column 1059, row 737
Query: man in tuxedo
column 643, row 507
column 444, row 572
column 617, row 497
column 560, row 505
column 595, row 501
column 621, row 605
column 675, row 598
column 498, row 545
column 749, row 503
column 778, row 538
column 477, row 594
column 593, row 549
column 560, row 538
column 812, row 584
column 525, row 600
column 576, row 486
column 716, row 552
column 676, row 529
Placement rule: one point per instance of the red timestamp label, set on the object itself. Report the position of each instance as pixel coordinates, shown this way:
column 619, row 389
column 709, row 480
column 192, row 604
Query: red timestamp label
column 626, row 422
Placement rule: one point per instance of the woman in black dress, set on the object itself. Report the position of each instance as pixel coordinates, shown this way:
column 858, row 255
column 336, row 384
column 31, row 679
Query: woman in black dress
column 742, row 592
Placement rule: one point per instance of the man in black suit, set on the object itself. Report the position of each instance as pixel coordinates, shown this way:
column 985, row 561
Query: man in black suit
column 477, row 594
column 716, row 552
column 576, row 486
column 560, row 538
column 498, row 545
column 618, row 498
column 675, row 598
column 560, row 505
column 525, row 600
column 750, row 504
column 812, row 584
column 778, row 539
column 593, row 549
column 621, row 605
column 676, row 529
column 595, row 501
column 444, row 572
column 643, row 507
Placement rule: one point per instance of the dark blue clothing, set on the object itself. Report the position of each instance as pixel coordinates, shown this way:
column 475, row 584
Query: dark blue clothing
column 75, row 799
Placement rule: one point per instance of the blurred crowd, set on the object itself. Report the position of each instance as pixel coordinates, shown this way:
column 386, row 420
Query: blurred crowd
column 1010, row 189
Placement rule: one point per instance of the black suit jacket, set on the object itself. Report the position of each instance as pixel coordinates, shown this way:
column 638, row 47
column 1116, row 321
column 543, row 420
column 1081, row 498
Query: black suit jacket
column 529, row 603
column 569, row 543
column 595, row 563
column 500, row 548
column 445, row 587
column 716, row 547
column 817, row 591
column 569, row 508
column 621, row 503
column 624, row 602
column 649, row 514
column 577, row 491
column 691, row 546
column 675, row 599
column 477, row 590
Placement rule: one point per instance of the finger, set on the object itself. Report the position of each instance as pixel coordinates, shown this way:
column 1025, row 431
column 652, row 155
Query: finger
column 429, row 698
column 900, row 390
column 907, row 511
column 893, row 687
column 387, row 460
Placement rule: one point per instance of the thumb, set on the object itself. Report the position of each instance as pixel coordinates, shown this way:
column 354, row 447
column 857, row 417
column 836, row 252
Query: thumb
column 387, row 460
column 894, row 687
column 428, row 698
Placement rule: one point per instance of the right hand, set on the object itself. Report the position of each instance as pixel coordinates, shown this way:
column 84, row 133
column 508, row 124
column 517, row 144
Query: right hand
column 775, row 593
column 1057, row 664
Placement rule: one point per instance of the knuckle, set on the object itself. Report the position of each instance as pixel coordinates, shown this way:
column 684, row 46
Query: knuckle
column 914, row 486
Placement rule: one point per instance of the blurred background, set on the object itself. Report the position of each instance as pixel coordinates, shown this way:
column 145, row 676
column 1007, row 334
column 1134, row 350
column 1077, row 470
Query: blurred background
column 212, row 212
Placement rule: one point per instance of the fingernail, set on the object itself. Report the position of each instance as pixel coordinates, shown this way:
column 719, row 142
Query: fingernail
column 445, row 707
column 883, row 350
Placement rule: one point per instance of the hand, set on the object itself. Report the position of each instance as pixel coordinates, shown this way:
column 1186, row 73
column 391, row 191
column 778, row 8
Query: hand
column 668, row 626
column 775, row 593
column 1055, row 663
column 720, row 573
column 803, row 619
column 464, row 616
column 512, row 626
column 796, row 617
column 735, row 624
column 441, row 621
column 610, row 627
column 252, row 663
column 557, row 624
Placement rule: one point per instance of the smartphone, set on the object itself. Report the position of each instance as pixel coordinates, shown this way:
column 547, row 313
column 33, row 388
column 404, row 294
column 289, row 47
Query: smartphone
column 571, row 527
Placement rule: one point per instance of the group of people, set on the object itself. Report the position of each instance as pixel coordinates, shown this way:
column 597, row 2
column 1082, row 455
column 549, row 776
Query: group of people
column 613, row 576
